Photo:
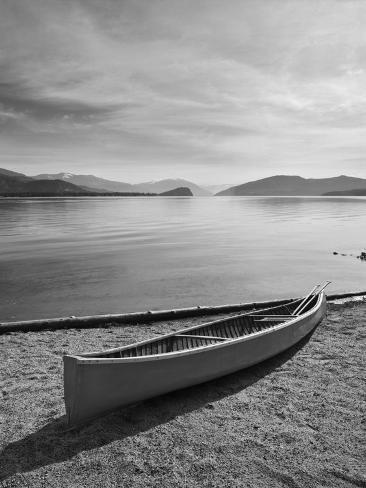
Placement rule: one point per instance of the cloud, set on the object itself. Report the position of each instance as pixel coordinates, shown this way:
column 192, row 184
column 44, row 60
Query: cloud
column 19, row 100
column 182, row 88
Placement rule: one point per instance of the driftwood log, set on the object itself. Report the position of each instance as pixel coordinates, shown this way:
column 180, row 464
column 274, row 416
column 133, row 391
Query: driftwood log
column 91, row 321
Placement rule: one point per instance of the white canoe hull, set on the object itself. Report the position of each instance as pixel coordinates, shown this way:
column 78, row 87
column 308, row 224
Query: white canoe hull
column 95, row 385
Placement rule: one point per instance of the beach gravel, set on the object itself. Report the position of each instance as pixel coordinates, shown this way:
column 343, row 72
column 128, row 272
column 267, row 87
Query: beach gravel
column 296, row 420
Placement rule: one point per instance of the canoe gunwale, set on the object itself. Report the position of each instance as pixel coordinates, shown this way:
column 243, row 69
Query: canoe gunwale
column 180, row 331
column 90, row 358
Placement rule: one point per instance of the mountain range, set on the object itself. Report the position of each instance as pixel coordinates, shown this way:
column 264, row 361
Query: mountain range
column 13, row 183
column 94, row 183
column 17, row 183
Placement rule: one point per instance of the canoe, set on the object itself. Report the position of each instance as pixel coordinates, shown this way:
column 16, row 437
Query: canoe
column 98, row 382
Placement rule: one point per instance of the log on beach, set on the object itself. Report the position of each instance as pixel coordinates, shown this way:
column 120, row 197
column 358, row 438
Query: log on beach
column 91, row 321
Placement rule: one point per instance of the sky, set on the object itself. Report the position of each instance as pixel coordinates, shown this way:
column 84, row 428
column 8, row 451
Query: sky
column 208, row 90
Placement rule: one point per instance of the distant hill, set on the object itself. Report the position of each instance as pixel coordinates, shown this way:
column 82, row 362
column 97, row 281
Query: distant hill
column 217, row 188
column 52, row 186
column 178, row 192
column 12, row 186
column 295, row 185
column 171, row 184
column 12, row 183
column 13, row 174
column 361, row 192
column 89, row 182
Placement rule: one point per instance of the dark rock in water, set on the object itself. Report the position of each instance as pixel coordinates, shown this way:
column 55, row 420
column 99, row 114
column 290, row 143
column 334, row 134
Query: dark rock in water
column 335, row 253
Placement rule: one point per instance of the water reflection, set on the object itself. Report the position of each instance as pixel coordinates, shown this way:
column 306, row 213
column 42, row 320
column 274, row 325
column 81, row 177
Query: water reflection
column 99, row 255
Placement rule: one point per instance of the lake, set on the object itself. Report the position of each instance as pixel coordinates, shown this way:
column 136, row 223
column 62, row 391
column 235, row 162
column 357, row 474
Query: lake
column 81, row 256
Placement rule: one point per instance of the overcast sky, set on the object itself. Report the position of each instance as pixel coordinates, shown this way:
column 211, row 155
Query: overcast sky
column 213, row 91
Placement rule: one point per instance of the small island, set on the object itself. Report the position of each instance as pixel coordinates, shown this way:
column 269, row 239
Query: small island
column 182, row 191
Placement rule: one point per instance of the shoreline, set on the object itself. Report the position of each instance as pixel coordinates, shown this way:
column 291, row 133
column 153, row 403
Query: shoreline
column 149, row 316
column 294, row 420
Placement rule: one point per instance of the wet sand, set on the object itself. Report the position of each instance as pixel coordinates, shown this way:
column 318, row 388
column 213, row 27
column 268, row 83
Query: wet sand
column 292, row 421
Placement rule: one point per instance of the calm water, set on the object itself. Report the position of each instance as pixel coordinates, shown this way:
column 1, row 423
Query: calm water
column 77, row 256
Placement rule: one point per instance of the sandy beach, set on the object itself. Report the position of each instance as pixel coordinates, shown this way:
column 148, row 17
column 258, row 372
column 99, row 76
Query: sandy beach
column 293, row 421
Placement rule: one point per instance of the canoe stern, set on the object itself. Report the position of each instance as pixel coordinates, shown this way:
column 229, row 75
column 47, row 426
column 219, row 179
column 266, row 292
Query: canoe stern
column 71, row 388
